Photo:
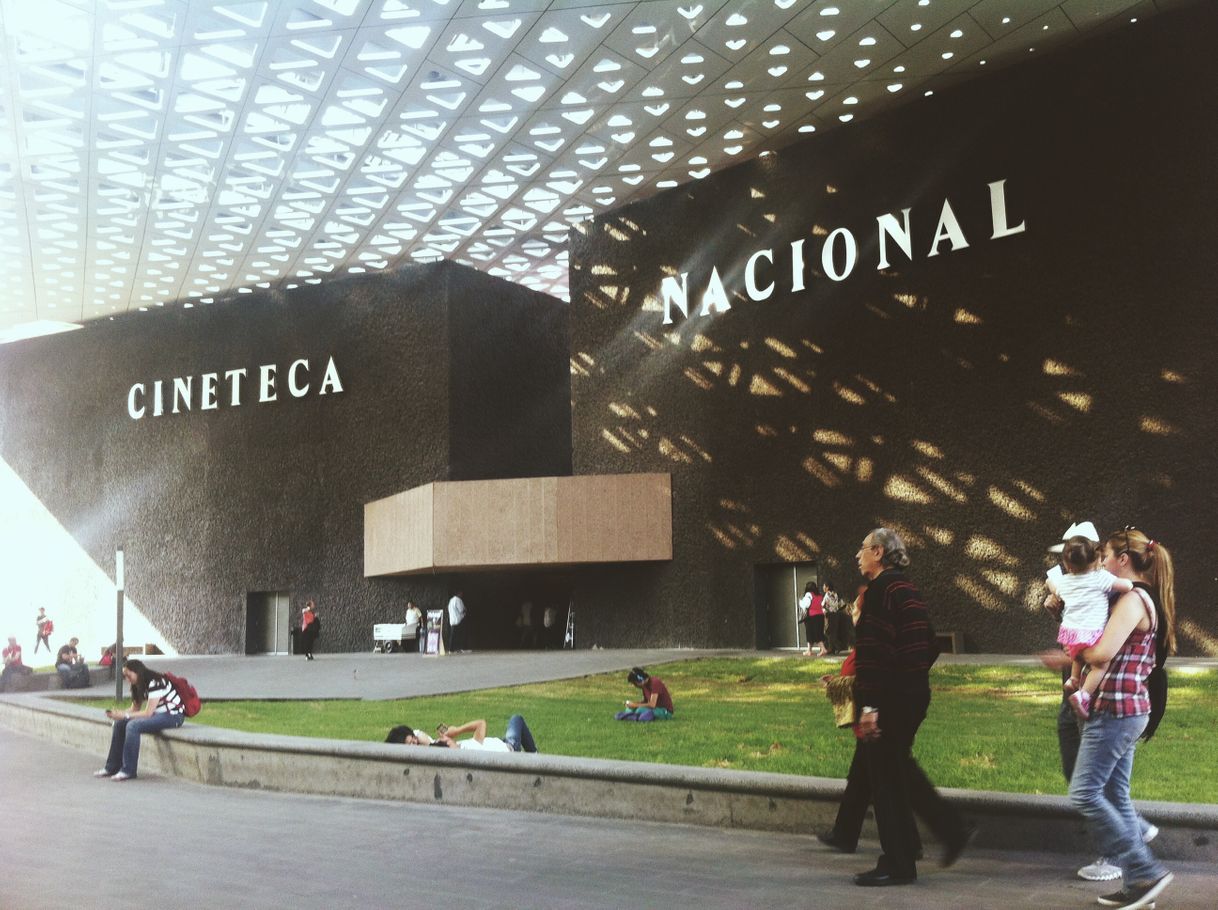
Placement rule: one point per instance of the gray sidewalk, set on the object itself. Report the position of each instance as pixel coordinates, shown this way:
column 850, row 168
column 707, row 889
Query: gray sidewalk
column 70, row 840
column 389, row 676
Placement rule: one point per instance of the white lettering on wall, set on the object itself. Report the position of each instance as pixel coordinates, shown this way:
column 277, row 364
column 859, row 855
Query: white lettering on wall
column 330, row 382
column 750, row 276
column 948, row 229
column 675, row 294
column 900, row 232
column 998, row 211
column 715, row 296
column 838, row 256
column 135, row 412
column 297, row 390
column 209, row 392
column 234, row 378
column 266, row 384
column 181, row 392
column 299, row 385
column 797, row 265
column 827, row 260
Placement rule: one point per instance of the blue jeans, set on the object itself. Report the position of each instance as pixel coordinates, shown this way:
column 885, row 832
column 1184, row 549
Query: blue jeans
column 125, row 739
column 1099, row 789
column 518, row 737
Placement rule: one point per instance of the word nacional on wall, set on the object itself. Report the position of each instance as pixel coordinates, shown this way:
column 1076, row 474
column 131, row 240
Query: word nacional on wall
column 184, row 393
column 838, row 256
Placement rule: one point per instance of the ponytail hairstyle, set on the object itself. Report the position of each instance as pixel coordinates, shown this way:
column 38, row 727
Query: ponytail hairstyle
column 1151, row 559
column 1078, row 554
column 893, row 546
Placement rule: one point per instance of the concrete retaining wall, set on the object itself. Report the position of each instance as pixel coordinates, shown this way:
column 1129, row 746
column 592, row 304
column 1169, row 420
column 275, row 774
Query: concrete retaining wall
column 570, row 786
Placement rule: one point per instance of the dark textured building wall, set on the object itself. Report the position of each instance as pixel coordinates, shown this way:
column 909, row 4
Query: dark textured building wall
column 978, row 400
column 265, row 497
column 510, row 408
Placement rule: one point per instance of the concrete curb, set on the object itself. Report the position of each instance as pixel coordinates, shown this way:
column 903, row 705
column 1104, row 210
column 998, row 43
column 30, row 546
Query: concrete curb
column 572, row 786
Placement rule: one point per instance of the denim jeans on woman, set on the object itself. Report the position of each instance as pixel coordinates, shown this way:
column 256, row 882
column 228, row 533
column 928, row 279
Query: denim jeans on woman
column 125, row 739
column 1099, row 789
column 518, row 736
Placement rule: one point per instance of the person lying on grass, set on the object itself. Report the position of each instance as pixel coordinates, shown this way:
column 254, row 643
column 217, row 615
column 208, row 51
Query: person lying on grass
column 516, row 738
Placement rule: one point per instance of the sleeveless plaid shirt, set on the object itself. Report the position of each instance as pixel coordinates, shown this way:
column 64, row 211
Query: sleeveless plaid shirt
column 1122, row 691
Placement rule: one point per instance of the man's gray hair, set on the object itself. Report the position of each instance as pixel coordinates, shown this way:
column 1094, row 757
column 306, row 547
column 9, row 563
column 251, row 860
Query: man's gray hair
column 894, row 547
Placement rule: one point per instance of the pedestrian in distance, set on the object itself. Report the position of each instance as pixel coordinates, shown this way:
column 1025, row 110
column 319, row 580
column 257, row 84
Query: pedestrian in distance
column 812, row 615
column 45, row 628
column 310, row 628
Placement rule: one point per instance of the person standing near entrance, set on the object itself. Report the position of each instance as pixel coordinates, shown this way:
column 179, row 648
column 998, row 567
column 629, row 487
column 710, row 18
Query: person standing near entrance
column 812, row 615
column 894, row 650
column 454, row 615
column 837, row 619
column 310, row 628
column 415, row 616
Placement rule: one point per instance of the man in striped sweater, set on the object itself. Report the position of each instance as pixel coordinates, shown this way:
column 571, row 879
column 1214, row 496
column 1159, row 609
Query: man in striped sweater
column 895, row 647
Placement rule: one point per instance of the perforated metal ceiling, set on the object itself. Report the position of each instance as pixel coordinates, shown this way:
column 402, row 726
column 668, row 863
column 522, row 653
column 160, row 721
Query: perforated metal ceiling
column 154, row 151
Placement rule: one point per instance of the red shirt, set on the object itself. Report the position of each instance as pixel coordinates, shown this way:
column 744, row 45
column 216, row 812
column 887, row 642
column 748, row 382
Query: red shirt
column 13, row 651
column 656, row 685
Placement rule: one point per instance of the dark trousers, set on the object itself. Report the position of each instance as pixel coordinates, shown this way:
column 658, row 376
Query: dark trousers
column 900, row 788
column 852, row 810
column 837, row 631
column 454, row 635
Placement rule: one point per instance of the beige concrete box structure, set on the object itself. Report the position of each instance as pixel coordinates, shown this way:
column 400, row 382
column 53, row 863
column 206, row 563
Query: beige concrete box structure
column 520, row 523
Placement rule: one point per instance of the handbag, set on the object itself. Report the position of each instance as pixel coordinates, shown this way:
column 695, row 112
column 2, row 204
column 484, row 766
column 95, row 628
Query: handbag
column 840, row 692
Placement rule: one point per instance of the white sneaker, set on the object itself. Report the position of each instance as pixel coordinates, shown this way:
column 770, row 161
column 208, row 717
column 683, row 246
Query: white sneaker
column 1151, row 832
column 1100, row 871
column 121, row 776
column 101, row 772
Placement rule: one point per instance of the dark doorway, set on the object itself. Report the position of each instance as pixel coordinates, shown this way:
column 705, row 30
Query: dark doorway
column 266, row 622
column 776, row 592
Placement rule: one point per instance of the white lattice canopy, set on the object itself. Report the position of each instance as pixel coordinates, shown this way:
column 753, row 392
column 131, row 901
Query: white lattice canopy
column 170, row 151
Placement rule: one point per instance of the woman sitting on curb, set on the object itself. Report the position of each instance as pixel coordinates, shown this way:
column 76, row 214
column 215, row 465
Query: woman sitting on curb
column 155, row 706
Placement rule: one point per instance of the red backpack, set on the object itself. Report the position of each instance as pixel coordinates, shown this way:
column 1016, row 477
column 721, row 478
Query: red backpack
column 191, row 705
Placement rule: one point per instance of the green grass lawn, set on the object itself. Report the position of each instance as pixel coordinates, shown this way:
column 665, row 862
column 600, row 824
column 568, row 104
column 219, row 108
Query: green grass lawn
column 990, row 728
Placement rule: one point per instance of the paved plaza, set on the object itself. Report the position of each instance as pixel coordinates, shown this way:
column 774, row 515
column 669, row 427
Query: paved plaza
column 69, row 840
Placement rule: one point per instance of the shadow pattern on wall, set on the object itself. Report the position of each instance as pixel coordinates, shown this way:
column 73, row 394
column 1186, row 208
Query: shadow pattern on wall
column 978, row 400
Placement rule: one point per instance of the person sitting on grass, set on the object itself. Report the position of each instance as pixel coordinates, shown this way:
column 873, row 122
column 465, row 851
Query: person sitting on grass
column 516, row 738
column 656, row 703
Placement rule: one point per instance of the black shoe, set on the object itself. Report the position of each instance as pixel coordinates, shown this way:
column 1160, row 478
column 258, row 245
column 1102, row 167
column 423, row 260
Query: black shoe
column 953, row 851
column 877, row 878
column 1138, row 896
column 830, row 839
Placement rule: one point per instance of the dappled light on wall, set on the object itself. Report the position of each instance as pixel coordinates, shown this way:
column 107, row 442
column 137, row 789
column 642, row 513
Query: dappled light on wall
column 1010, row 504
column 1206, row 643
column 1157, row 426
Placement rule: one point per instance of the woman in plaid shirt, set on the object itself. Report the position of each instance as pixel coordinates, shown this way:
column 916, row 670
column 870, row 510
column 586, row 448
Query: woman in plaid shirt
column 1120, row 711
